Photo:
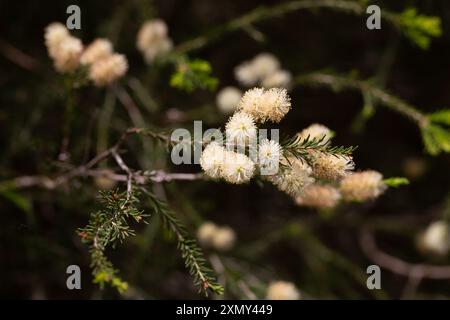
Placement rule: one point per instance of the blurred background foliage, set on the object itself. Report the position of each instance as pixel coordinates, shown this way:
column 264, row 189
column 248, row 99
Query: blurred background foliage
column 320, row 252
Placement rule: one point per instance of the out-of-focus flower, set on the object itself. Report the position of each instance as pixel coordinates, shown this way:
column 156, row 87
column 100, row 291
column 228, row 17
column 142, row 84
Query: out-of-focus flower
column 319, row 196
column 436, row 238
column 316, row 131
column 282, row 290
column 152, row 39
column 362, row 186
column 108, row 70
column 241, row 129
column 67, row 57
column 224, row 239
column 278, row 79
column 228, row 99
column 265, row 64
column 331, row 167
column 54, row 34
column 211, row 235
column 414, row 167
column 97, row 50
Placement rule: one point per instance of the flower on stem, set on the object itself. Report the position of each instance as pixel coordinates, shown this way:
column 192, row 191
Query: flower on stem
column 241, row 129
column 330, row 167
column 109, row 69
column 362, row 186
column 152, row 39
column 97, row 50
column 228, row 99
column 319, row 196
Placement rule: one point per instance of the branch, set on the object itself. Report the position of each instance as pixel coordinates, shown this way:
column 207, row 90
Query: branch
column 398, row 266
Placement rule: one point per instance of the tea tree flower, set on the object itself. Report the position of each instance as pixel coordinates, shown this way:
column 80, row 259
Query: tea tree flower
column 362, row 186
column 331, row 167
column 269, row 154
column 54, row 34
column 264, row 65
column 282, row 290
column 241, row 128
column 152, row 39
column 316, row 131
column 109, row 69
column 206, row 233
column 319, row 196
column 67, row 56
column 228, row 99
column 237, row 168
column 212, row 160
column 278, row 79
column 224, row 239
column 272, row 104
column 293, row 177
column 436, row 238
column 97, row 50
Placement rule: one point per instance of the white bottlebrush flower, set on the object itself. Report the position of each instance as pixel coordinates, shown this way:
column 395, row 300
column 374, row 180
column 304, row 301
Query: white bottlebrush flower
column 237, row 168
column 294, row 176
column 276, row 104
column 108, row 70
column 282, row 290
column 152, row 39
column 278, row 79
column 224, row 239
column 264, row 65
column 269, row 153
column 362, row 186
column 319, row 196
column 97, row 50
column 316, row 131
column 54, row 34
column 272, row 104
column 241, row 129
column 228, row 99
column 212, row 159
column 436, row 238
column 67, row 55
column 206, row 233
column 331, row 167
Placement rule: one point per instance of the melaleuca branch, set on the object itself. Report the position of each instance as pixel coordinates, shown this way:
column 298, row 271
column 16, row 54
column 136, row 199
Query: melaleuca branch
column 434, row 133
column 193, row 257
column 106, row 228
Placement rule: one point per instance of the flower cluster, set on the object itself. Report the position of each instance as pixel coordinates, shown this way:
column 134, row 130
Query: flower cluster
column 282, row 290
column 221, row 238
column 264, row 69
column 152, row 40
column 104, row 66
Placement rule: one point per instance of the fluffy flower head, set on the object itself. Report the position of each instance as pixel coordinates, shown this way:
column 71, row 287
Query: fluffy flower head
column 282, row 290
column 436, row 238
column 97, row 50
column 237, row 168
column 331, row 167
column 272, row 104
column 362, row 186
column 212, row 160
column 228, row 99
column 316, row 131
column 241, row 128
column 319, row 196
column 109, row 69
column 66, row 56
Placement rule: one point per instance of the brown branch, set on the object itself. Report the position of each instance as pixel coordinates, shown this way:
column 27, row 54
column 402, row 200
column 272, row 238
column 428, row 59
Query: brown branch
column 398, row 266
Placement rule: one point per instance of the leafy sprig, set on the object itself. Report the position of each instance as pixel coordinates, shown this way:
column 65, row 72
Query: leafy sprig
column 106, row 228
column 191, row 253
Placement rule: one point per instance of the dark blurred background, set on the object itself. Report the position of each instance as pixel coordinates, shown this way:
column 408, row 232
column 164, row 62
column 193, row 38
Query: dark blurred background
column 38, row 242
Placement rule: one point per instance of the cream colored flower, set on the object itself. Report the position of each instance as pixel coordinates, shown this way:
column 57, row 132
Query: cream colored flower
column 66, row 56
column 228, row 99
column 272, row 104
column 241, row 129
column 269, row 155
column 331, row 167
column 278, row 79
column 212, row 160
column 152, row 39
column 293, row 177
column 108, row 70
column 319, row 196
column 316, row 131
column 245, row 74
column 436, row 238
column 206, row 233
column 224, row 239
column 282, row 290
column 97, row 50
column 264, row 65
column 237, row 168
column 54, row 34
column 362, row 186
